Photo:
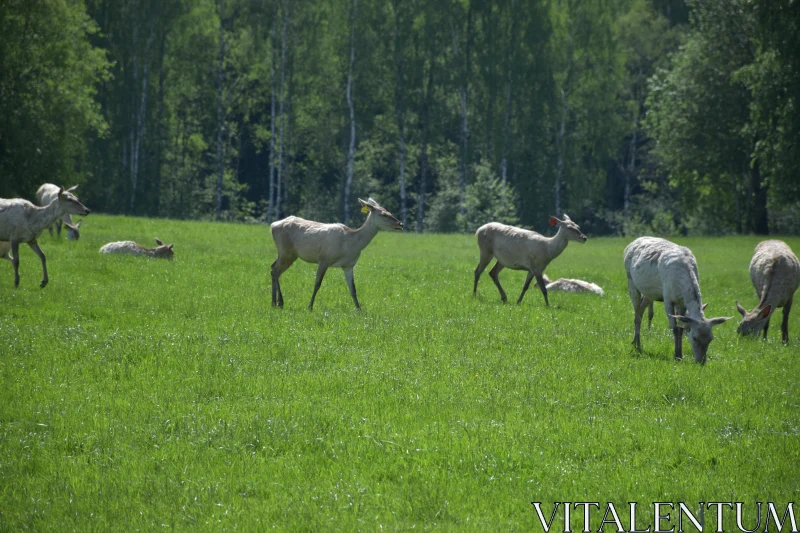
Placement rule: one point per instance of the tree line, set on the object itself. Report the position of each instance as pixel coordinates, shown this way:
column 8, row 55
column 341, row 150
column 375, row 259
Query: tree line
column 634, row 116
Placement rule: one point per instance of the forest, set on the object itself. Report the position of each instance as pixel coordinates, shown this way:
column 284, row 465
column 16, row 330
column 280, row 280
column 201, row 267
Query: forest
column 633, row 116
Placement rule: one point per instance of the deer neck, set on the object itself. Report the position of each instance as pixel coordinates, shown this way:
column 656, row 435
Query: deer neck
column 44, row 217
column 363, row 235
column 693, row 301
column 557, row 243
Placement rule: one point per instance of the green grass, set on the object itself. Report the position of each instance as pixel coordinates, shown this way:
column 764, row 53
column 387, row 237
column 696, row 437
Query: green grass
column 140, row 394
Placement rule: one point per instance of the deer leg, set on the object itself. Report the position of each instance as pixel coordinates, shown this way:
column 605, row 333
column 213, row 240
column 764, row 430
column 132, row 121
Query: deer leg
column 15, row 261
column 283, row 268
column 280, row 266
column 650, row 316
column 785, row 324
column 638, row 314
column 528, row 280
column 542, row 287
column 35, row 247
column 58, row 227
column 351, row 283
column 321, row 269
column 638, row 303
column 483, row 262
column 677, row 333
column 494, row 273
column 637, row 328
column 273, row 271
column 50, row 229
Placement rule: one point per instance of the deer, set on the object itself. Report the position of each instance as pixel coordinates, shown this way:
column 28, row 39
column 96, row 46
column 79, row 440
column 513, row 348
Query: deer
column 775, row 274
column 661, row 271
column 521, row 249
column 21, row 221
column 44, row 196
column 163, row 251
column 326, row 245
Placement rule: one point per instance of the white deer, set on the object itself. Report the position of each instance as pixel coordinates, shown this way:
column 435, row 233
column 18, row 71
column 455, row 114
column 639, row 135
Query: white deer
column 521, row 249
column 662, row 271
column 163, row 251
column 327, row 245
column 46, row 194
column 21, row 221
column 775, row 274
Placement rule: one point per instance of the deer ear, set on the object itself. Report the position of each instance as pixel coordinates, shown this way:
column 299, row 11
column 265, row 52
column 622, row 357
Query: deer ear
column 554, row 221
column 60, row 191
column 158, row 242
column 170, row 247
column 683, row 322
column 719, row 320
column 72, row 189
column 764, row 313
column 704, row 307
column 741, row 309
column 78, row 225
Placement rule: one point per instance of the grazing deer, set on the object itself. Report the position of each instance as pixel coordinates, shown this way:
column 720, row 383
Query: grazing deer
column 775, row 274
column 662, row 271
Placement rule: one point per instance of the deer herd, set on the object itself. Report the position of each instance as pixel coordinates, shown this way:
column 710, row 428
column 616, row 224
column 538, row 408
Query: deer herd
column 657, row 270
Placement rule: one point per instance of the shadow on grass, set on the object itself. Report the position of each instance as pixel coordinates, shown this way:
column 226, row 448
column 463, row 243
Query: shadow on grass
column 656, row 356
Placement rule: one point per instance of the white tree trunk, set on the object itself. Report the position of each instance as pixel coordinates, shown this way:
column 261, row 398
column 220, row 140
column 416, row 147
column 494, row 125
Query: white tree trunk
column 220, row 115
column 282, row 114
column 423, row 159
column 141, row 124
column 631, row 166
column 462, row 95
column 399, row 111
column 509, row 82
column 634, row 138
column 134, row 106
column 561, row 138
column 351, row 153
column 560, row 144
column 271, row 205
column 138, row 122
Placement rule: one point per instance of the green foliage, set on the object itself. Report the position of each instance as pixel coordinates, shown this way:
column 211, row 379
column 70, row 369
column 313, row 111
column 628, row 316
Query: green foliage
column 141, row 394
column 487, row 200
column 723, row 115
column 49, row 80
column 599, row 95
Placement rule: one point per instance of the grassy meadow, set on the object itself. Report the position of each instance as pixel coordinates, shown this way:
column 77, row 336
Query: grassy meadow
column 139, row 394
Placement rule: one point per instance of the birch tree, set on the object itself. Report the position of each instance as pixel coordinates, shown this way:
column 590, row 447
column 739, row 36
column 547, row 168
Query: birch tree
column 399, row 23
column 220, row 111
column 351, row 152
column 426, row 112
column 561, row 135
column 280, row 112
column 273, row 60
column 463, row 62
column 509, row 83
